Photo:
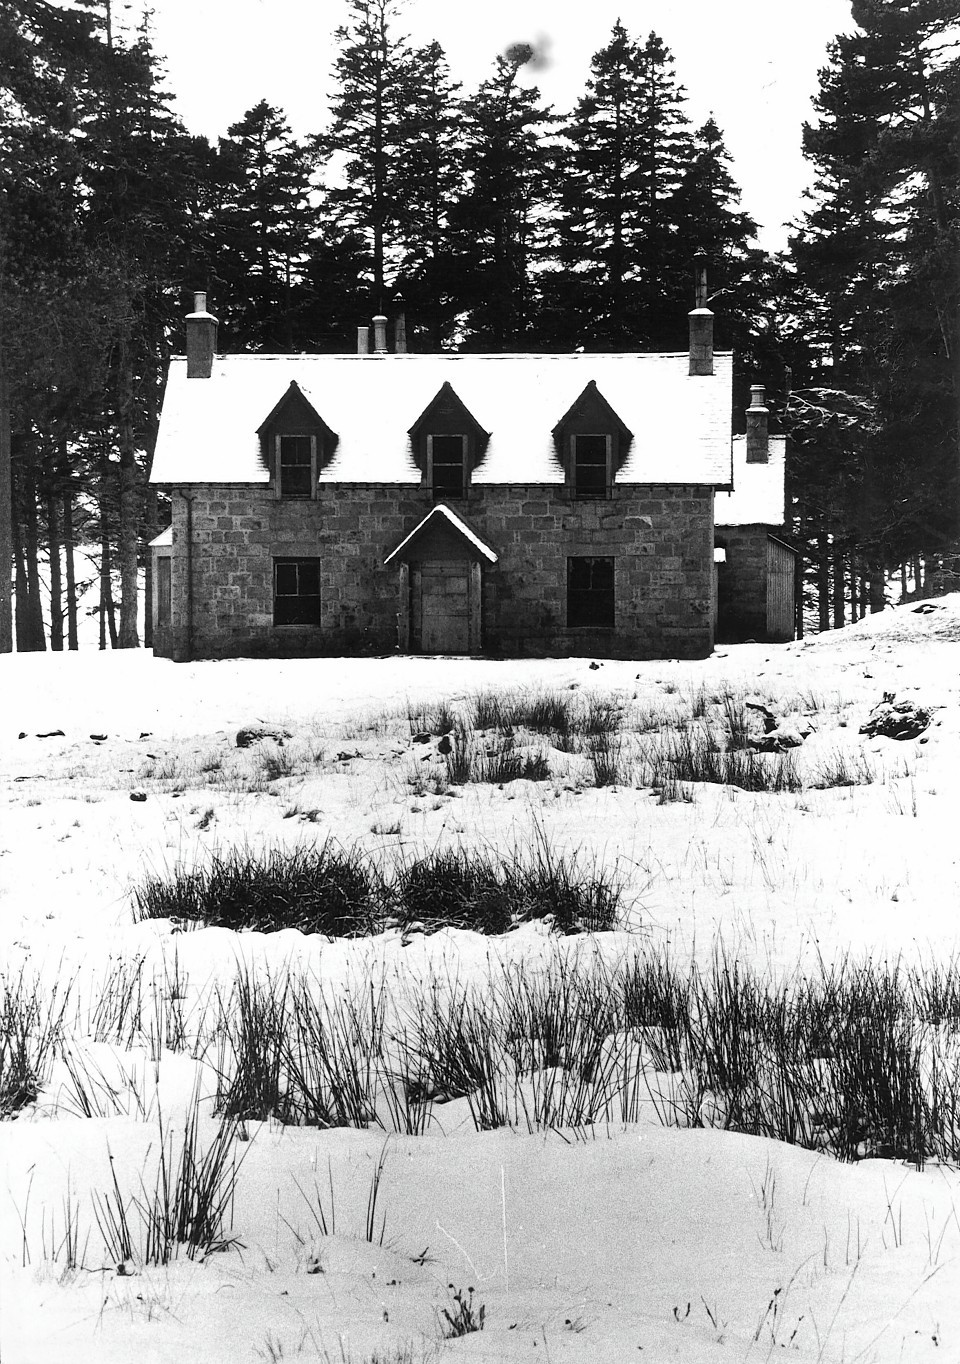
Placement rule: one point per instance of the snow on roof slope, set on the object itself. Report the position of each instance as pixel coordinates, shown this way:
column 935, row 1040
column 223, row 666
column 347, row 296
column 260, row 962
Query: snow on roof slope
column 681, row 424
column 758, row 489
column 164, row 538
column 440, row 511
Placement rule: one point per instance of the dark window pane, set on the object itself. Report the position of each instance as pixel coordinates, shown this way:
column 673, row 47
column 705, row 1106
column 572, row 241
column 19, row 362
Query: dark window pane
column 447, row 460
column 287, row 578
column 309, row 572
column 448, row 449
column 296, row 599
column 590, row 466
column 590, row 592
column 296, row 473
column 591, row 450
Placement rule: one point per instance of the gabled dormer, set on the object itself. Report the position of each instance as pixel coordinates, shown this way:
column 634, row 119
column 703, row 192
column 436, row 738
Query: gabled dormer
column 295, row 444
column 448, row 444
column 591, row 443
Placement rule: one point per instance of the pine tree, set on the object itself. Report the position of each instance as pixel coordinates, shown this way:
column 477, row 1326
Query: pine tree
column 877, row 253
column 429, row 181
column 503, row 216
column 369, row 116
column 599, row 205
column 665, row 152
column 262, row 229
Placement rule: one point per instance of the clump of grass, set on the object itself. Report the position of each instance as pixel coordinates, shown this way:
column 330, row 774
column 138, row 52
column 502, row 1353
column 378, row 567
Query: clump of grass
column 439, row 718
column 255, row 1021
column 189, row 1205
column 31, row 1033
column 695, row 755
column 459, row 889
column 607, row 764
column 315, row 889
column 276, row 762
column 452, row 888
column 499, row 762
column 843, row 769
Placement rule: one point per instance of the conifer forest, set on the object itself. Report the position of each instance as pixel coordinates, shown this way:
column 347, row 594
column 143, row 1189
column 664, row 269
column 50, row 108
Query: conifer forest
column 494, row 223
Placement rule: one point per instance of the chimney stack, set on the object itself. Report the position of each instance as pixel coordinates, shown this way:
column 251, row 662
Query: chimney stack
column 701, row 323
column 380, row 334
column 758, row 423
column 363, row 340
column 201, row 339
column 400, row 334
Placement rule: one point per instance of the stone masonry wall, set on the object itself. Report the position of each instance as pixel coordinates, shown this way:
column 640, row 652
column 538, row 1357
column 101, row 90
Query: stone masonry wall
column 661, row 536
column 742, row 584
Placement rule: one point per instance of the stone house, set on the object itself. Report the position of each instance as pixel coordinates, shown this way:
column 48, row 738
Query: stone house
column 757, row 567
column 443, row 503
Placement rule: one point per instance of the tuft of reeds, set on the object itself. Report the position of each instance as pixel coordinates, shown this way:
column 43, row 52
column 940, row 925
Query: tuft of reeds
column 321, row 889
column 188, row 1206
column 31, row 1034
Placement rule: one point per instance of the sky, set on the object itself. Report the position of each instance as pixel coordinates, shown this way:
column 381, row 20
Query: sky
column 752, row 64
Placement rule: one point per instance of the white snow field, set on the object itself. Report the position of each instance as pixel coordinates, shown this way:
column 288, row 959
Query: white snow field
column 649, row 1229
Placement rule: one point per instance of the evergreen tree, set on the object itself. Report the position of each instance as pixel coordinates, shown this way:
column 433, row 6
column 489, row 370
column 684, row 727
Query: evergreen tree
column 877, row 253
column 502, row 219
column 368, row 128
column 429, row 182
column 665, row 152
column 599, row 206
column 262, row 230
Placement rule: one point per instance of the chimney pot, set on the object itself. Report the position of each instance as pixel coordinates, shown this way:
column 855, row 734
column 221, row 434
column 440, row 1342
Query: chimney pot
column 201, row 339
column 363, row 340
column 758, row 426
column 400, row 334
column 380, row 334
column 701, row 323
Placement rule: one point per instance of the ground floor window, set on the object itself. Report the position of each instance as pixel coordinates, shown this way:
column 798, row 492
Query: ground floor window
column 590, row 592
column 296, row 591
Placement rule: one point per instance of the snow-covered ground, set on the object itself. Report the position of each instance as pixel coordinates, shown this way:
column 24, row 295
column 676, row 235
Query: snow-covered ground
column 621, row 1242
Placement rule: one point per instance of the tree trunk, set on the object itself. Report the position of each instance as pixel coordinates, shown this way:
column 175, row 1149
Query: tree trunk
column 823, row 579
column 839, row 615
column 56, row 589
column 67, row 533
column 876, row 588
column 129, row 508
column 29, row 614
column 6, row 517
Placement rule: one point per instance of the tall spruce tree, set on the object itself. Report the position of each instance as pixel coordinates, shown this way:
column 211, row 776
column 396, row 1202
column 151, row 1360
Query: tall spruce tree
column 599, row 203
column 503, row 218
column 262, row 230
column 877, row 254
column 367, row 134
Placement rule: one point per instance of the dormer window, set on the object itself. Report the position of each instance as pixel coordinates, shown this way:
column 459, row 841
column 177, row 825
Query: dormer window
column 591, row 443
column 448, row 445
column 296, row 465
column 295, row 445
column 447, row 465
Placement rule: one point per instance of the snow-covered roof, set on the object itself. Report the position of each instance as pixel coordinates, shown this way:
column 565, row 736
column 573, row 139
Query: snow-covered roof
column 441, row 512
column 758, row 489
column 681, row 424
column 162, row 540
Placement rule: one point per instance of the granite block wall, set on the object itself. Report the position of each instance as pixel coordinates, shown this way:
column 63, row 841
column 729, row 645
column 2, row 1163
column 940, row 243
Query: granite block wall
column 742, row 584
column 660, row 535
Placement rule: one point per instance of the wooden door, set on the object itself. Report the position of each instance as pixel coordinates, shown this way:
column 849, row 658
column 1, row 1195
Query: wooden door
column 441, row 593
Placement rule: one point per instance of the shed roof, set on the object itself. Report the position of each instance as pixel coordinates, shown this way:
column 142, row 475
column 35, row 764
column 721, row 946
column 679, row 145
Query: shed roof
column 758, row 489
column 681, row 424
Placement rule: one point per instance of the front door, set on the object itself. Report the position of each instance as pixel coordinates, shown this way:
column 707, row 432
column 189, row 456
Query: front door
column 441, row 606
